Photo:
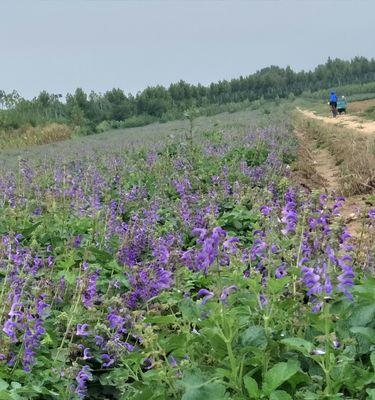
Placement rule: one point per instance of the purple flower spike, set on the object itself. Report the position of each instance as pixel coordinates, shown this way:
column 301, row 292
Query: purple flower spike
column 81, row 330
column 311, row 280
column 289, row 213
column 82, row 377
column 147, row 363
column 89, row 294
column 86, row 354
column 205, row 295
column 281, row 271
column 108, row 360
column 266, row 210
column 230, row 245
column 226, row 292
column 10, row 329
column 99, row 340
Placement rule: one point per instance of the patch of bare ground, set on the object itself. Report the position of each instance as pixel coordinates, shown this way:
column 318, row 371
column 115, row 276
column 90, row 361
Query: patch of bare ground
column 345, row 121
column 320, row 169
column 360, row 106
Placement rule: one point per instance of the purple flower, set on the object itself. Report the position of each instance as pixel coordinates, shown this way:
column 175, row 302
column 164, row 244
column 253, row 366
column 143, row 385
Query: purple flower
column 205, row 295
column 147, row 282
column 86, row 354
column 230, row 245
column 266, row 210
column 88, row 295
column 107, row 360
column 316, row 306
column 41, row 305
column 346, row 278
column 161, row 253
column 147, row 363
column 212, row 248
column 258, row 249
column 10, row 329
column 31, row 341
column 263, row 300
column 82, row 377
column 77, row 241
column 115, row 320
column 289, row 213
column 311, row 280
column 99, row 340
column 129, row 347
column 12, row 359
column 85, row 265
column 226, row 292
column 172, row 361
column 281, row 271
column 81, row 330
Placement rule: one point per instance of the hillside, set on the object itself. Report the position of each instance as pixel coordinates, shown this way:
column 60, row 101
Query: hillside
column 149, row 263
column 81, row 113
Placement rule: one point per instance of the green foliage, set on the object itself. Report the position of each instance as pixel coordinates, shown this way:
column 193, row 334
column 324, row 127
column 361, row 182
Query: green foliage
column 196, row 387
column 370, row 112
column 163, row 104
column 234, row 347
column 239, row 221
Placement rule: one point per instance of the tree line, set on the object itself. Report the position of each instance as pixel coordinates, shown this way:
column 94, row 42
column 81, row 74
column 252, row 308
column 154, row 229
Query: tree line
column 88, row 110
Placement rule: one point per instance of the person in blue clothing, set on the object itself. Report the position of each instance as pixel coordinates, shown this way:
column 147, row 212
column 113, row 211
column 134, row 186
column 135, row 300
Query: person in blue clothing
column 333, row 99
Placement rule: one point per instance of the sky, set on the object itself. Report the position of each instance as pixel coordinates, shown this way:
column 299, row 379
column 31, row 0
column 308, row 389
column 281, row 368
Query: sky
column 97, row 45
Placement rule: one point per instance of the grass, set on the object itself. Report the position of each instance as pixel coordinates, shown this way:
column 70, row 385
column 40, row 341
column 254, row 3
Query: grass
column 354, row 153
column 15, row 147
column 31, row 136
column 136, row 264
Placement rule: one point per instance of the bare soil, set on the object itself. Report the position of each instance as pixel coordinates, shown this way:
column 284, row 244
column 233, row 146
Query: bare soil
column 346, row 121
column 360, row 106
column 317, row 169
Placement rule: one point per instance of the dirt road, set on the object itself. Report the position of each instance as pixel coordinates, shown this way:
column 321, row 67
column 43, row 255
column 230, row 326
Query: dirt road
column 346, row 121
column 319, row 169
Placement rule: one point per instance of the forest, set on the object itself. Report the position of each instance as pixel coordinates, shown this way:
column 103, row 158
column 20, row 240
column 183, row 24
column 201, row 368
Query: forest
column 94, row 112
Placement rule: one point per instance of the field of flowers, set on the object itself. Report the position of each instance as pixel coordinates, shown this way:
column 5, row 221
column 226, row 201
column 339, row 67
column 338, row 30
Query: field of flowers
column 157, row 269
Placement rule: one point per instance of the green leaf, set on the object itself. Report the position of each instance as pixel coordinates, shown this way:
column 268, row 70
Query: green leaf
column 362, row 315
column 28, row 230
column 175, row 343
column 372, row 359
column 161, row 319
column 100, row 255
column 69, row 276
column 298, row 378
column 213, row 335
column 122, row 279
column 189, row 310
column 279, row 374
column 280, row 395
column 371, row 394
column 368, row 333
column 254, row 337
column 237, row 225
column 3, row 385
column 5, row 395
column 301, row 345
column 196, row 388
column 276, row 286
column 251, row 387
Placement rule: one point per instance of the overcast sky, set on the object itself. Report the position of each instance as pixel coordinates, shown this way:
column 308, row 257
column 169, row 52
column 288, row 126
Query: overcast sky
column 97, row 45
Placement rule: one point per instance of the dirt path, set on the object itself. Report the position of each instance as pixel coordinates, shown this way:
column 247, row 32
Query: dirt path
column 318, row 165
column 318, row 170
column 346, row 121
